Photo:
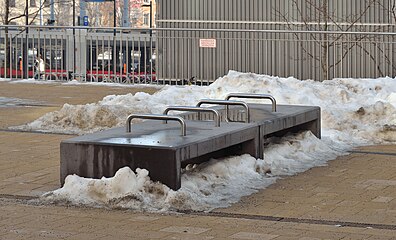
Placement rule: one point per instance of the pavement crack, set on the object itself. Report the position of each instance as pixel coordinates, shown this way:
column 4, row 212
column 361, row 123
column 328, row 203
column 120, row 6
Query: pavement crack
column 293, row 220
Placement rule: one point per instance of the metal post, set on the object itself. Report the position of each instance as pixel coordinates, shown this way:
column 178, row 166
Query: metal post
column 151, row 39
column 151, row 16
column 74, row 39
column 125, row 14
column 25, row 47
column 113, row 58
column 74, row 14
column 115, row 16
column 52, row 13
column 82, row 11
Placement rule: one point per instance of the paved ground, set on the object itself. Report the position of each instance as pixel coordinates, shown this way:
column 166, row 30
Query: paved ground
column 354, row 197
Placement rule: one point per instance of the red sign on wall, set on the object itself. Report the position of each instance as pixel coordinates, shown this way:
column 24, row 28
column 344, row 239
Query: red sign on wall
column 207, row 43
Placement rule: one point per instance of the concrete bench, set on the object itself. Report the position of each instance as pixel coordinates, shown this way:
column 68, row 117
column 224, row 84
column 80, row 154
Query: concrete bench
column 157, row 147
column 163, row 149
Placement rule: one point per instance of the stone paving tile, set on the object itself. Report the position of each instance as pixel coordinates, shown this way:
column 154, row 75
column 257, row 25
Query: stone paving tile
column 253, row 236
column 187, row 229
column 189, row 237
column 356, row 188
column 381, row 238
column 382, row 199
column 325, row 235
column 309, row 238
column 382, row 232
column 85, row 236
column 147, row 234
column 327, row 198
column 94, row 222
column 13, row 188
column 144, row 218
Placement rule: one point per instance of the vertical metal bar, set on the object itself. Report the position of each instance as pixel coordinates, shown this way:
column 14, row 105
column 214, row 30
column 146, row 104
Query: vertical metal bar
column 25, row 44
column 133, row 60
column 127, row 57
column 327, row 57
column 334, row 74
column 121, row 57
column 140, row 59
column 90, row 59
column 97, row 58
column 50, row 56
column 11, row 54
column 22, row 49
column 6, row 64
column 383, row 57
column 64, row 60
column 349, row 42
column 266, row 56
column 212, row 60
column 342, row 59
column 102, row 62
column 110, row 65
column 56, row 57
column 32, row 41
column 114, row 55
column 376, row 60
column 182, row 59
column 391, row 47
column 145, row 60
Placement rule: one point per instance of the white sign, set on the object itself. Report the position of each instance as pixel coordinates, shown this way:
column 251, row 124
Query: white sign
column 207, row 43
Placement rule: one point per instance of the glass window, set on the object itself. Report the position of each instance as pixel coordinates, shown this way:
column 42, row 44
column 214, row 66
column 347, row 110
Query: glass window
column 146, row 19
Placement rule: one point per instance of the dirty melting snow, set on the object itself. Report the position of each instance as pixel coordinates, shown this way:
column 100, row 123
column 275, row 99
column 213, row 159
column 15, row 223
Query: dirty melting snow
column 213, row 184
column 354, row 112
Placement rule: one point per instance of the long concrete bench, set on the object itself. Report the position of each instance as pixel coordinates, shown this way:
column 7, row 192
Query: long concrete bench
column 163, row 149
column 157, row 147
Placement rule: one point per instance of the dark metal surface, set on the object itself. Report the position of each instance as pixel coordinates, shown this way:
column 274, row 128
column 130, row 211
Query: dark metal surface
column 161, row 150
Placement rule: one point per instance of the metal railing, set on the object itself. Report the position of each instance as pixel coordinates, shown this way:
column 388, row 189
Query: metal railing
column 317, row 55
column 253, row 95
column 227, row 103
column 195, row 56
column 120, row 55
column 156, row 117
column 196, row 109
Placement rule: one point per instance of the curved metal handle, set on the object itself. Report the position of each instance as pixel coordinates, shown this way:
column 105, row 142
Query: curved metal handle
column 253, row 95
column 156, row 117
column 195, row 109
column 227, row 103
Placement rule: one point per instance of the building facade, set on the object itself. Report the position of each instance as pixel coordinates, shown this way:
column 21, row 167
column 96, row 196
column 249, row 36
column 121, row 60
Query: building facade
column 100, row 14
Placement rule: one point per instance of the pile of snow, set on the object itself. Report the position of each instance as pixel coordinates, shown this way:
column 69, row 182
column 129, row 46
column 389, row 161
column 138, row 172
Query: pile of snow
column 112, row 110
column 354, row 112
column 213, row 184
column 362, row 108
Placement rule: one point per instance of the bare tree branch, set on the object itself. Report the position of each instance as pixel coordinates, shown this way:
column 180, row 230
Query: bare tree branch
column 16, row 17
